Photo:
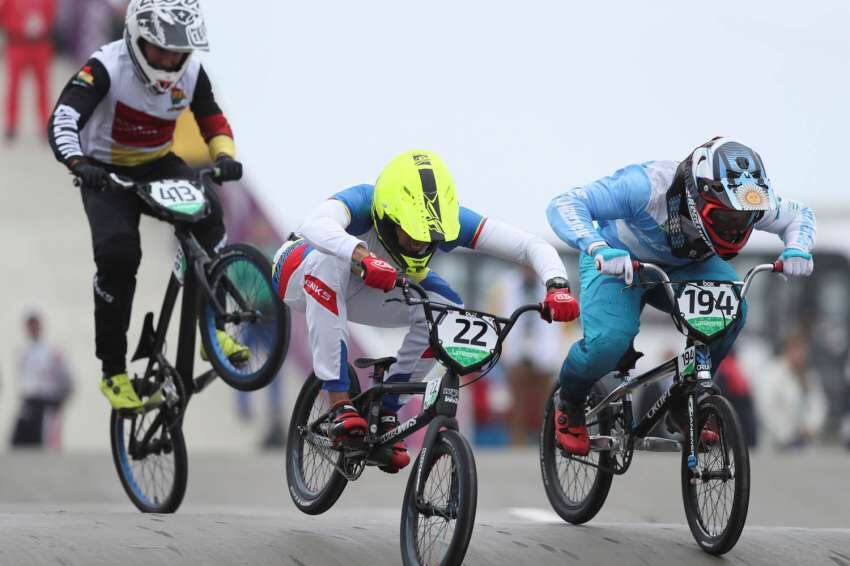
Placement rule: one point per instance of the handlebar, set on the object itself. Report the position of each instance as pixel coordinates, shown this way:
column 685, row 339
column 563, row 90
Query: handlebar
column 775, row 267
column 406, row 285
column 118, row 182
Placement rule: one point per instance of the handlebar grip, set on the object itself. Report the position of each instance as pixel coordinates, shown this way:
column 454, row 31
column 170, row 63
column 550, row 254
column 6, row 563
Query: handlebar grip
column 777, row 266
column 636, row 265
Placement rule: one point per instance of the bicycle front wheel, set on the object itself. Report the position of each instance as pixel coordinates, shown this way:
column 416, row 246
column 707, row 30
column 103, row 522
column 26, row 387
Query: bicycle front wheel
column 149, row 453
column 436, row 525
column 253, row 316
column 717, row 496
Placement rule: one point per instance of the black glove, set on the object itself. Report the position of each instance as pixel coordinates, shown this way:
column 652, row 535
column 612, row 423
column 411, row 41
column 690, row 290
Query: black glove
column 90, row 176
column 228, row 169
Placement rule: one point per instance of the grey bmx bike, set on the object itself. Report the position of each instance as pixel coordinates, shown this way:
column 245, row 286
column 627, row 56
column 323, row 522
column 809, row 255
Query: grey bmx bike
column 715, row 468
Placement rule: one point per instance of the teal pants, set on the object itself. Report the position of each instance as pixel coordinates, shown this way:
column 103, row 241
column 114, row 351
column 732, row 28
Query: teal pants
column 610, row 318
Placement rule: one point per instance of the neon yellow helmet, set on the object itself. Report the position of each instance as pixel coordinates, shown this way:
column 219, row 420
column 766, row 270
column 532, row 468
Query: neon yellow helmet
column 416, row 193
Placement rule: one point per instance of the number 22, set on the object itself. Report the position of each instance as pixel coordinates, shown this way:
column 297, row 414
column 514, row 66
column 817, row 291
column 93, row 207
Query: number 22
column 476, row 341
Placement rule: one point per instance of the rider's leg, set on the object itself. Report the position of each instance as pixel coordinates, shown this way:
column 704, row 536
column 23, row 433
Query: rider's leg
column 610, row 318
column 114, row 221
column 318, row 284
column 414, row 358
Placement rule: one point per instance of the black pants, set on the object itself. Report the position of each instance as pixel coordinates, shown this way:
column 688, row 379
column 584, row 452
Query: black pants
column 114, row 220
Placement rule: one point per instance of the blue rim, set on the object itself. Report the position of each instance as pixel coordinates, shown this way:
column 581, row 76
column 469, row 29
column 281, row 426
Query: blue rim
column 127, row 470
column 209, row 314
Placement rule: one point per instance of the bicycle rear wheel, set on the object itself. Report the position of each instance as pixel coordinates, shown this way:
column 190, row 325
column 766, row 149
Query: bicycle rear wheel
column 149, row 453
column 575, row 490
column 716, row 502
column 240, row 279
column 312, row 477
column 437, row 528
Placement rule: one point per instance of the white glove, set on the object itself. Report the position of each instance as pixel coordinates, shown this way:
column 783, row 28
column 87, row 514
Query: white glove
column 612, row 261
column 796, row 262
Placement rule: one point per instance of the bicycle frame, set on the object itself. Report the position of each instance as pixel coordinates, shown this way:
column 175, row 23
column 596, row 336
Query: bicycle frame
column 444, row 395
column 194, row 281
column 691, row 372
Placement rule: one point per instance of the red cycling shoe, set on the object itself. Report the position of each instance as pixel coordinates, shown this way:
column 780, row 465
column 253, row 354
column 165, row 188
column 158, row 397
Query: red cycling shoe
column 347, row 422
column 570, row 428
column 400, row 458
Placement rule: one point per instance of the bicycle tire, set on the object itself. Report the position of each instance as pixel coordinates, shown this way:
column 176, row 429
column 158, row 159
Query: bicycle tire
column 464, row 485
column 726, row 426
column 578, row 509
column 321, row 497
column 135, row 481
column 244, row 267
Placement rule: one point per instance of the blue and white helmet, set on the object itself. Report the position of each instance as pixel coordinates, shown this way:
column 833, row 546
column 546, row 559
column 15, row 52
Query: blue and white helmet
column 174, row 25
column 727, row 190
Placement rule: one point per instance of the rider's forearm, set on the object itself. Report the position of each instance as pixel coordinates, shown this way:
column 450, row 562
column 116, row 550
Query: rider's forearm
column 793, row 222
column 571, row 220
column 325, row 228
column 512, row 244
column 75, row 106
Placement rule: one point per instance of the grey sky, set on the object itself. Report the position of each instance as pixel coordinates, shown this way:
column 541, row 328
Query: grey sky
column 527, row 99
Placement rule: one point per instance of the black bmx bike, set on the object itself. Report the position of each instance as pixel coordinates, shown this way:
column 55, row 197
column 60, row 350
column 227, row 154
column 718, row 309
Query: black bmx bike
column 715, row 468
column 229, row 294
column 438, row 511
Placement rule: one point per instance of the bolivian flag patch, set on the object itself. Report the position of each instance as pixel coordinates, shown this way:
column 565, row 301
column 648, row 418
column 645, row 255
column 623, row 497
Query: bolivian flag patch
column 84, row 77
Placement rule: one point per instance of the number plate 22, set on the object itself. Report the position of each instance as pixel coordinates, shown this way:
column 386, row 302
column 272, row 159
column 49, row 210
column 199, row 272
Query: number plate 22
column 467, row 339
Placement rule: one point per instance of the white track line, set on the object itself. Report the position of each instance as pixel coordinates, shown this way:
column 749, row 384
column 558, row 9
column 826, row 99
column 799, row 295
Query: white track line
column 535, row 514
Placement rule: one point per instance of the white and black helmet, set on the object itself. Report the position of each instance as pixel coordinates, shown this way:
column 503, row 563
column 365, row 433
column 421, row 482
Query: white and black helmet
column 720, row 191
column 175, row 25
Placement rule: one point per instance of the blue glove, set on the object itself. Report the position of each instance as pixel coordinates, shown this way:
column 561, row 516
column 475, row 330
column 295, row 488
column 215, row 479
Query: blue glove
column 796, row 262
column 613, row 261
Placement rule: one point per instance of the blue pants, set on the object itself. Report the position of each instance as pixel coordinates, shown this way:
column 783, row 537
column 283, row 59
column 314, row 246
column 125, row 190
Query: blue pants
column 610, row 318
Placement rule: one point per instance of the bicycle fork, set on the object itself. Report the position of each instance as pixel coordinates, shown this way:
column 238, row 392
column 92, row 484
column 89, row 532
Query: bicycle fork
column 445, row 408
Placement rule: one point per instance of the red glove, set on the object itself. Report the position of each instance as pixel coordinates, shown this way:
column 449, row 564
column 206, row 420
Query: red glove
column 560, row 306
column 378, row 274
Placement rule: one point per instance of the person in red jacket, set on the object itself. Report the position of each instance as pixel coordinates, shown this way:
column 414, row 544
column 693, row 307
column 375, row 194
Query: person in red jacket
column 27, row 25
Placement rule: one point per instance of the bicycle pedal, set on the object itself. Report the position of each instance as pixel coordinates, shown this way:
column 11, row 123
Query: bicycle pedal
column 657, row 444
column 603, row 443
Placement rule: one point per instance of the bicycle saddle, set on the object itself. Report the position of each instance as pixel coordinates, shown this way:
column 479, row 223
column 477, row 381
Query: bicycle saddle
column 369, row 362
column 629, row 360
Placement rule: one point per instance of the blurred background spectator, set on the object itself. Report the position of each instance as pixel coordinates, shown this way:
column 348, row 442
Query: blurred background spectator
column 791, row 402
column 44, row 384
column 733, row 382
column 530, row 359
column 28, row 27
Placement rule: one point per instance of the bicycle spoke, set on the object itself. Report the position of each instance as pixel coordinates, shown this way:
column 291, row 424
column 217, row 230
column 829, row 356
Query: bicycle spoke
column 714, row 496
column 434, row 533
column 154, row 473
column 317, row 462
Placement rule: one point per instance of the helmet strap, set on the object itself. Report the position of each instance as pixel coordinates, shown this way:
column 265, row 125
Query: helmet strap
column 685, row 234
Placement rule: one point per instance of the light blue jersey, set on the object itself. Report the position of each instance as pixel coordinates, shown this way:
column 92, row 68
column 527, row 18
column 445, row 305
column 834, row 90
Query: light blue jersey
column 628, row 210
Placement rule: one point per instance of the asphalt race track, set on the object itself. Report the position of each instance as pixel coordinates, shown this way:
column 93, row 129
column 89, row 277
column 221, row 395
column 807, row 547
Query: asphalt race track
column 71, row 510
